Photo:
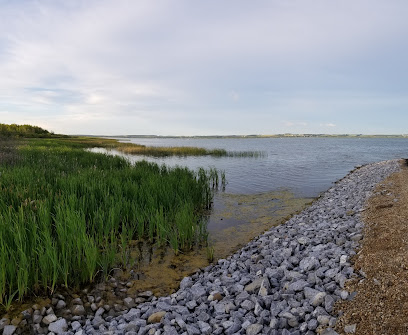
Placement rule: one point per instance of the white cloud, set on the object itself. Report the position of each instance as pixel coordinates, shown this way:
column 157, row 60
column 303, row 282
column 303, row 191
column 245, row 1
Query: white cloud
column 105, row 62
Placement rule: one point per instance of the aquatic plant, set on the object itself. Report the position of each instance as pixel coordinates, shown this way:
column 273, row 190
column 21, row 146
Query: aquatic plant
column 210, row 253
column 67, row 215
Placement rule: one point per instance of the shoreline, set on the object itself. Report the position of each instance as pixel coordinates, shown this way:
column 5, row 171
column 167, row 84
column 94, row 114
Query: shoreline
column 285, row 281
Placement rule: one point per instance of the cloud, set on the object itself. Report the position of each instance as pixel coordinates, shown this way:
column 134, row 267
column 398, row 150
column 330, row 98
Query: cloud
column 234, row 96
column 295, row 124
column 156, row 67
column 330, row 125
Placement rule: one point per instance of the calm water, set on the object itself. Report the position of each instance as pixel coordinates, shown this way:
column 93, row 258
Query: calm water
column 304, row 166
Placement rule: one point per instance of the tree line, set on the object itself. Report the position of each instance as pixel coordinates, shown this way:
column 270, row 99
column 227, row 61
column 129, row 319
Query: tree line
column 25, row 130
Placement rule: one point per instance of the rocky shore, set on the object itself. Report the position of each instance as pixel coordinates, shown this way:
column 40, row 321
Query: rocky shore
column 286, row 281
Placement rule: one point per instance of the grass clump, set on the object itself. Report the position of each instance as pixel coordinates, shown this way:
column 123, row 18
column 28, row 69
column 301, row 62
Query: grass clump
column 67, row 215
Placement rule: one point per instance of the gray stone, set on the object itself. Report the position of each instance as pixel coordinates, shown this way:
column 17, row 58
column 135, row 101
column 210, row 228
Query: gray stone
column 254, row 329
column 9, row 330
column 356, row 237
column 58, row 327
column 132, row 314
column 315, row 297
column 329, row 331
column 343, row 259
column 197, row 290
column 323, row 320
column 248, row 305
column 236, row 326
column 146, row 294
column 205, row 328
column 186, row 283
column 191, row 304
column 37, row 318
column 265, row 287
column 168, row 330
column 4, row 322
column 309, row 263
column 180, row 322
column 328, row 303
column 219, row 308
column 298, row 285
column 293, row 322
column 75, row 325
column 254, row 286
column 97, row 321
column 60, row 304
column 78, row 310
column 350, row 329
column 191, row 330
column 49, row 318
column 129, row 302
column 312, row 324
column 77, row 301
column 331, row 273
column 274, row 324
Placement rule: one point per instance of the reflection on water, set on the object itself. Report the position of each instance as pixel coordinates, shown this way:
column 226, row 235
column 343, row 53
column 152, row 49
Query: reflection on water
column 304, row 166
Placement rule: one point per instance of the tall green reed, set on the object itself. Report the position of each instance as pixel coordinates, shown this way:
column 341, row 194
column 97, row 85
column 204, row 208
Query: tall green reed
column 67, row 215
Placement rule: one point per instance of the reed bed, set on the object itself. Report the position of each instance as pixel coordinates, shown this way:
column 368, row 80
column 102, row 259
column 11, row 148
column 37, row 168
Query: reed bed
column 138, row 149
column 68, row 216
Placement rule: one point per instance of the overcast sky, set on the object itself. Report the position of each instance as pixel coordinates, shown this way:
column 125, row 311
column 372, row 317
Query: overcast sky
column 189, row 67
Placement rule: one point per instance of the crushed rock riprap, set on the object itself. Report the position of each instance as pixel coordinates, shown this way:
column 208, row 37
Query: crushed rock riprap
column 286, row 281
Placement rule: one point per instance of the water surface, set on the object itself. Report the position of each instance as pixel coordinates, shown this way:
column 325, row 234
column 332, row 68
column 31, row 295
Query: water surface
column 304, row 166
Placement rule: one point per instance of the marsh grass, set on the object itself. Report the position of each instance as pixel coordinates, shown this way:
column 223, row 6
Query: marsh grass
column 68, row 216
column 8, row 151
column 137, row 149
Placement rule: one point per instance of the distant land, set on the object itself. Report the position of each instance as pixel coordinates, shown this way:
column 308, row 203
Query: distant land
column 256, row 136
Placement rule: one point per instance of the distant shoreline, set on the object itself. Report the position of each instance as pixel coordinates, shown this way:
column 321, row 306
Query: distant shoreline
column 253, row 136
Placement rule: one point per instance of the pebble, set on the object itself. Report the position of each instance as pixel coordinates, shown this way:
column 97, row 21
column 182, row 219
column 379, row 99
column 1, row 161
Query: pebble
column 58, row 327
column 350, row 329
column 78, row 310
column 156, row 317
column 9, row 330
column 49, row 318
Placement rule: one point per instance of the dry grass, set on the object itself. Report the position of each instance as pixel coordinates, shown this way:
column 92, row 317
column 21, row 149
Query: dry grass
column 381, row 303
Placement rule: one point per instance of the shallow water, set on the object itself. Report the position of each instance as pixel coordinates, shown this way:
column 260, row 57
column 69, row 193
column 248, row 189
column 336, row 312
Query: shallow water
column 304, row 166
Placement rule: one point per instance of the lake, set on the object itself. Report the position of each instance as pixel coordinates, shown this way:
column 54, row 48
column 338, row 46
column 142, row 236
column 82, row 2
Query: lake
column 305, row 166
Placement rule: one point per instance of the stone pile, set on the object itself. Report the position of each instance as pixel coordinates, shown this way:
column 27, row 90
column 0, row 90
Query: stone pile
column 284, row 282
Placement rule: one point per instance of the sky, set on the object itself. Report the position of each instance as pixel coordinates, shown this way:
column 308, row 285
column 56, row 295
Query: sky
column 189, row 67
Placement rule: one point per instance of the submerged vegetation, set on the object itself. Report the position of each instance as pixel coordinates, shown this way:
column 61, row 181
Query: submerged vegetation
column 68, row 215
